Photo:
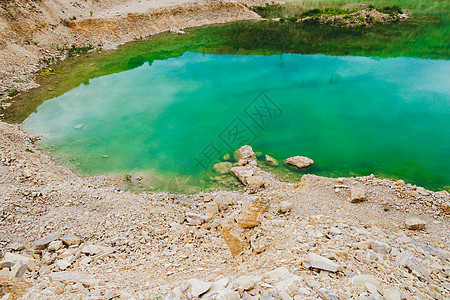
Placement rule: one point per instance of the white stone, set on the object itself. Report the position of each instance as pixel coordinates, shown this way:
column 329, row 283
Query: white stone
column 247, row 282
column 216, row 286
column 55, row 245
column 392, row 294
column 198, row 287
column 322, row 263
column 285, row 206
column 226, row 294
column 62, row 264
column 380, row 247
column 212, row 208
column 278, row 274
column 74, row 277
column 17, row 258
column 361, row 280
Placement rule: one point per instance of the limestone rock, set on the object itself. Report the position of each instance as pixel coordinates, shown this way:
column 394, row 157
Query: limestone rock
column 392, row 294
column 198, row 287
column 74, row 277
column 247, row 282
column 19, row 269
column 245, row 152
column 250, row 213
column 92, row 249
column 415, row 224
column 357, row 194
column 278, row 274
column 212, row 208
column 235, row 244
column 271, row 161
column 44, row 242
column 216, row 286
column 255, row 182
column 17, row 258
column 362, row 280
column 322, row 263
column 407, row 259
column 62, row 264
column 243, row 172
column 380, row 247
column 299, row 161
column 70, row 239
column 55, row 245
column 223, row 167
column 226, row 294
column 16, row 247
column 285, row 206
column 446, row 207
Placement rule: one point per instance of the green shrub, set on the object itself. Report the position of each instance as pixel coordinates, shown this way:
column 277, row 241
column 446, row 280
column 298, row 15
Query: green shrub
column 311, row 12
column 292, row 19
column 269, row 11
column 392, row 10
column 12, row 92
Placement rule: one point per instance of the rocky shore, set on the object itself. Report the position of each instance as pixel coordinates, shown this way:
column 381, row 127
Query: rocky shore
column 68, row 237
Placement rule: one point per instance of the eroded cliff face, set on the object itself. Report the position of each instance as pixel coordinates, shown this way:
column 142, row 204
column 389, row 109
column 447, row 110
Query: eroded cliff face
column 32, row 32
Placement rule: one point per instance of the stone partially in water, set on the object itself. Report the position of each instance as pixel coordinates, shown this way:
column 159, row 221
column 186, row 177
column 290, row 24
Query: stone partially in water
column 299, row 161
column 245, row 152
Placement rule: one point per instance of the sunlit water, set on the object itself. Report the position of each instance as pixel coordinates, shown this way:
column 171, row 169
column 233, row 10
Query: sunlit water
column 176, row 117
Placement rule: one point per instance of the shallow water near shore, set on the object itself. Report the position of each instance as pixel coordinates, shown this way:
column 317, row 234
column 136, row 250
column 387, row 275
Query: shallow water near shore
column 352, row 115
column 168, row 108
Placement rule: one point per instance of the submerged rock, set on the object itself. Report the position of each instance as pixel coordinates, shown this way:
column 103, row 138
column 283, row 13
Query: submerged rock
column 299, row 161
column 223, row 167
column 271, row 161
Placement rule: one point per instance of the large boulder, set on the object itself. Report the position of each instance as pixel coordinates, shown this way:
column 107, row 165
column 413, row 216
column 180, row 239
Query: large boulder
column 299, row 161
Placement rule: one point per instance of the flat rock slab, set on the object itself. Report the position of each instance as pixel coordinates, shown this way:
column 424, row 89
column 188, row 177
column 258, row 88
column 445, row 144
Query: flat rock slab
column 44, row 242
column 17, row 259
column 198, row 287
column 322, row 263
column 415, row 224
column 74, row 277
column 299, row 161
column 70, row 239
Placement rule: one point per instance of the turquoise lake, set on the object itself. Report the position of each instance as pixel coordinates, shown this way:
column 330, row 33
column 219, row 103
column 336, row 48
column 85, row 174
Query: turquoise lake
column 176, row 117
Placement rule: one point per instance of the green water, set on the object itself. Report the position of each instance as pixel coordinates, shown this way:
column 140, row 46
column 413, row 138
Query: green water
column 385, row 116
column 356, row 101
